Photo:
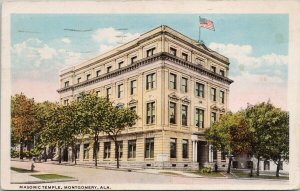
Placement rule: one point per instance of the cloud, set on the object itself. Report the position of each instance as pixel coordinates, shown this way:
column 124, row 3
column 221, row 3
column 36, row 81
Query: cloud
column 109, row 38
column 66, row 40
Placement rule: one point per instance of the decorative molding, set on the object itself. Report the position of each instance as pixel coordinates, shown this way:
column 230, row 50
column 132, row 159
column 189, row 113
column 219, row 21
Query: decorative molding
column 214, row 107
column 222, row 109
column 132, row 102
column 173, row 97
column 185, row 100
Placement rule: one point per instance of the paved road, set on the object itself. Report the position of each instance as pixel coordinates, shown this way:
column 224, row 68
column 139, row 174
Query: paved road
column 101, row 176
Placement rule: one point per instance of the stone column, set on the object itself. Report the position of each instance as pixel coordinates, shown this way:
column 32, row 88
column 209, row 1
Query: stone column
column 196, row 151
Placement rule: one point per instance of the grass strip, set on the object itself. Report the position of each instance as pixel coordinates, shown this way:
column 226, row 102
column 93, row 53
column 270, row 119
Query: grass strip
column 22, row 170
column 50, row 176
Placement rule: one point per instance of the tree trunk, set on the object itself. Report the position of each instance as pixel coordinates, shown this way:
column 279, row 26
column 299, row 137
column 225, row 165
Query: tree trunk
column 95, row 149
column 117, row 152
column 251, row 171
column 21, row 149
column 277, row 169
column 75, row 152
column 59, row 155
column 229, row 165
column 257, row 167
column 45, row 154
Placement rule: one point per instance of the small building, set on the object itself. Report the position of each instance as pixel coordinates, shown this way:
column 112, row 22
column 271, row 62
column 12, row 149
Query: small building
column 177, row 86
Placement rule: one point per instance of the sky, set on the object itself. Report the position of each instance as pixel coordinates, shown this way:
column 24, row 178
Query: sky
column 256, row 45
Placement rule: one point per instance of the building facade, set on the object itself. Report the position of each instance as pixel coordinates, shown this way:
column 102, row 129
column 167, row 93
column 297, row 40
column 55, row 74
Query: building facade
column 177, row 86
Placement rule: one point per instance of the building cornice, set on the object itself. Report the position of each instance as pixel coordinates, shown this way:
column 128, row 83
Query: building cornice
column 159, row 56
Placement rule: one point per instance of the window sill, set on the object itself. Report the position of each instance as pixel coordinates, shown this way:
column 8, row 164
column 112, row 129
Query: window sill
column 149, row 159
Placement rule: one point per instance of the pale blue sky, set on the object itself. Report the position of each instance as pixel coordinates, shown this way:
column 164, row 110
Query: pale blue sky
column 256, row 44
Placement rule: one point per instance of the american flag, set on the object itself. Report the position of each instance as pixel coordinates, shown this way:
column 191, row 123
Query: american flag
column 208, row 24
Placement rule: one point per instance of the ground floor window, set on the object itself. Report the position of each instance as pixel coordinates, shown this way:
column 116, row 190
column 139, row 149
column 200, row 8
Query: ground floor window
column 266, row 165
column 215, row 153
column 249, row 164
column 149, row 148
column 106, row 150
column 223, row 154
column 120, row 149
column 173, row 148
column 86, row 151
column 185, row 148
column 131, row 148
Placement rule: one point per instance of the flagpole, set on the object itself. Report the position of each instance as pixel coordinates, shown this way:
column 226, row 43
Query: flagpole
column 199, row 27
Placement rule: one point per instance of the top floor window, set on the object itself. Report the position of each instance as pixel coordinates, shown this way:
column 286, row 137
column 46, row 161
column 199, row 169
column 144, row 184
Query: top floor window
column 108, row 69
column 121, row 64
column 200, row 61
column 67, row 84
column 98, row 73
column 172, row 81
column 150, row 52
column 150, row 81
column 213, row 94
column 173, row 51
column 222, row 73
column 185, row 56
column 78, row 80
column 88, row 76
column 213, row 69
column 133, row 59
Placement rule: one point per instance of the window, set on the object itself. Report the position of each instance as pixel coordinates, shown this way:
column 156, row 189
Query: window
column 185, row 148
column 131, row 148
column 213, row 117
column 120, row 91
column 185, row 56
column 149, row 148
column 86, row 151
column 172, row 148
column 172, row 113
column 108, row 69
column 213, row 94
column 222, row 97
column 215, row 153
column 78, row 80
column 222, row 73
column 223, row 153
column 184, row 113
column 249, row 164
column 150, row 81
column 173, row 51
column 133, row 87
column 200, row 61
column 150, row 113
column 150, row 52
column 120, row 149
column 67, row 84
column 98, row 73
column 120, row 64
column 199, row 117
column 133, row 59
column 66, row 102
column 199, row 91
column 98, row 93
column 184, row 85
column 213, row 69
column 172, row 81
column 106, row 150
column 266, row 165
column 88, row 76
column 108, row 93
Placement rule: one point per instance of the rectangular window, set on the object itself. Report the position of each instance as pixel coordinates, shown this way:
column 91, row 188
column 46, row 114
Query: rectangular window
column 185, row 56
column 215, row 153
column 131, row 148
column 213, row 94
column 173, row 51
column 185, row 148
column 150, row 81
column 199, row 90
column 213, row 69
column 67, row 84
column 120, row 91
column 222, row 98
column 106, row 150
column 222, row 73
column 108, row 93
column 172, row 148
column 133, row 108
column 120, row 65
column 150, row 113
column 133, row 87
column 172, row 81
column 86, row 151
column 108, row 69
column 120, row 149
column 98, row 73
column 133, row 59
column 66, row 102
column 213, row 118
column 200, row 61
column 78, row 80
column 172, row 113
column 199, row 117
column 223, row 153
column 88, row 76
column 184, row 85
column 150, row 52
column 149, row 148
column 184, row 114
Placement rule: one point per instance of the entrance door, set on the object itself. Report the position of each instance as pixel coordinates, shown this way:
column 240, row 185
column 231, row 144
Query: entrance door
column 65, row 155
column 202, row 153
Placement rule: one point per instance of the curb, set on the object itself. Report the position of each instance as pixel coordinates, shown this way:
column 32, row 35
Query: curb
column 45, row 181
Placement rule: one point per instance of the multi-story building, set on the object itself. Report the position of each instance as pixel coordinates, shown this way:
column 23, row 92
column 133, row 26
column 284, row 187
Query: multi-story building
column 178, row 87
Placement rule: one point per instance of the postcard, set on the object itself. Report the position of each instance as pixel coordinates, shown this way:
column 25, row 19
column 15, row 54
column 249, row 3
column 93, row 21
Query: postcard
column 150, row 95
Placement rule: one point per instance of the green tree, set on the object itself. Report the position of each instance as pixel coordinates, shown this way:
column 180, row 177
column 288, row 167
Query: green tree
column 118, row 120
column 23, row 120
